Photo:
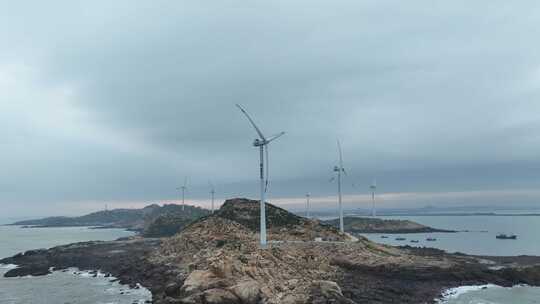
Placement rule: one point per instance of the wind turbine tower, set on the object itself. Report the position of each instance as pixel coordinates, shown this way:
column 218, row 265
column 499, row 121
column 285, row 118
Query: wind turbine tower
column 212, row 194
column 262, row 142
column 339, row 170
column 183, row 188
column 373, row 187
column 307, row 204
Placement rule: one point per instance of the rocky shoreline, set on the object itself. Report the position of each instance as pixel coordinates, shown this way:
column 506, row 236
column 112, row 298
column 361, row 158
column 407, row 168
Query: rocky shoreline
column 128, row 260
column 217, row 260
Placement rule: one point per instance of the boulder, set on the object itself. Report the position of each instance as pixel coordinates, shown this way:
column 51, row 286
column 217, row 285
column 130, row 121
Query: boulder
column 172, row 289
column 323, row 292
column 292, row 299
column 200, row 280
column 249, row 292
column 219, row 296
column 328, row 288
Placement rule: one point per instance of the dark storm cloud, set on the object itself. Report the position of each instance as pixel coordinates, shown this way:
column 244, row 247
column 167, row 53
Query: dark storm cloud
column 112, row 101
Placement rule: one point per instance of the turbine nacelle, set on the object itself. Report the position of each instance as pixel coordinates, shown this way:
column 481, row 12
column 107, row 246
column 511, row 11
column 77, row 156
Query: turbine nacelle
column 258, row 142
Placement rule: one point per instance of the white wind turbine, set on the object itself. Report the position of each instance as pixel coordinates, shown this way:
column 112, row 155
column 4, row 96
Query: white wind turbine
column 373, row 187
column 183, row 188
column 212, row 194
column 339, row 170
column 262, row 142
column 307, row 204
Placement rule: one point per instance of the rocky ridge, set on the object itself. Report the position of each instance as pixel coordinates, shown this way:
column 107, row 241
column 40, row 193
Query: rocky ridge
column 220, row 256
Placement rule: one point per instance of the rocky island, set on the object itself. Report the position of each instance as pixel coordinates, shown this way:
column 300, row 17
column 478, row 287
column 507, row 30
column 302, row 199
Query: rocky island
column 377, row 225
column 216, row 259
column 153, row 220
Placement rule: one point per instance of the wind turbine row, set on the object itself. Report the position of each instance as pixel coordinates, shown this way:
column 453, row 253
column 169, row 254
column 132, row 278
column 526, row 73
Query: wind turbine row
column 183, row 188
column 262, row 143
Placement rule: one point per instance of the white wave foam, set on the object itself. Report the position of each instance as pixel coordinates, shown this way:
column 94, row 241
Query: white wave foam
column 453, row 293
column 8, row 266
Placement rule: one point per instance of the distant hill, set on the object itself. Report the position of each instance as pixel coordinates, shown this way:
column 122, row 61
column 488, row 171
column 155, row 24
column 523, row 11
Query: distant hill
column 376, row 225
column 133, row 219
column 167, row 224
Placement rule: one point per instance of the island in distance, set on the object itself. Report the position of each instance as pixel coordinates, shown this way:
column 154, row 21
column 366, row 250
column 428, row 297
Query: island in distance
column 376, row 225
column 152, row 220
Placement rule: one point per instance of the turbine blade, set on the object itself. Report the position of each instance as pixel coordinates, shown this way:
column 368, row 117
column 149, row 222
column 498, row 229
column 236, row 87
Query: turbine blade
column 267, row 165
column 252, row 123
column 275, row 137
column 332, row 179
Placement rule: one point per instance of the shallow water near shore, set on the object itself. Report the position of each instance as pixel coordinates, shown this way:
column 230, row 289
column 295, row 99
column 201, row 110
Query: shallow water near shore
column 491, row 294
column 73, row 287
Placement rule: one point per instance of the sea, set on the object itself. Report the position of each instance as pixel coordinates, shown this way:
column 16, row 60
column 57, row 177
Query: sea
column 476, row 235
column 69, row 287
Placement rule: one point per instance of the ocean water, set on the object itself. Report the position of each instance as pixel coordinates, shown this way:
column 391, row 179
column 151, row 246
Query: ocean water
column 479, row 239
column 70, row 287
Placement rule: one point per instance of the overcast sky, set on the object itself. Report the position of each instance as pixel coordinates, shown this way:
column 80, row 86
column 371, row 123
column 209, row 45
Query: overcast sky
column 117, row 101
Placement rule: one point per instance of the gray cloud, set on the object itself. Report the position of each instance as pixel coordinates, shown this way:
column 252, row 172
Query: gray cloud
column 119, row 101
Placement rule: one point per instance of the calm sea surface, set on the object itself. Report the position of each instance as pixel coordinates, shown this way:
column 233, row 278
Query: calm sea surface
column 70, row 287
column 479, row 239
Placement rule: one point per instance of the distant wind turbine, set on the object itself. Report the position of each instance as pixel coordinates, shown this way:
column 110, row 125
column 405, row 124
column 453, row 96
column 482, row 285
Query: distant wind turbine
column 373, row 187
column 212, row 193
column 183, row 188
column 307, row 204
column 262, row 142
column 339, row 170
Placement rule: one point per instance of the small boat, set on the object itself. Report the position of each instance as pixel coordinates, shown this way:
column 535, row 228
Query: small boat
column 414, row 241
column 503, row 236
column 384, row 237
column 431, row 239
column 400, row 239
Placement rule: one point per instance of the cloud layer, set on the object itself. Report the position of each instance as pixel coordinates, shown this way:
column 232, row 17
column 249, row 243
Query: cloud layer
column 119, row 101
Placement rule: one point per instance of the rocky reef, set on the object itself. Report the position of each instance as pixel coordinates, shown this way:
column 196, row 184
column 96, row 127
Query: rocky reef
column 216, row 259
